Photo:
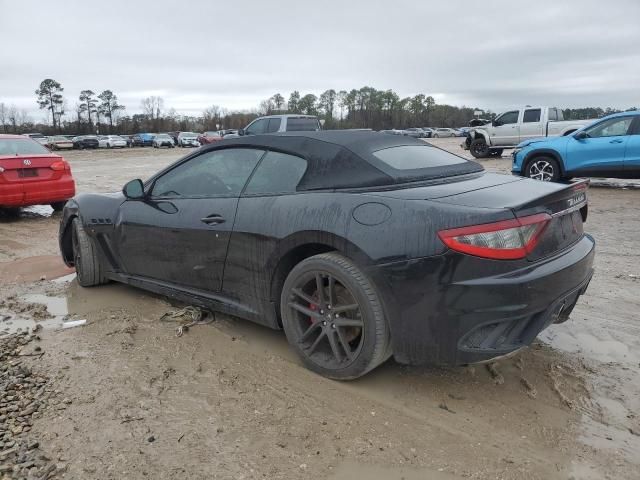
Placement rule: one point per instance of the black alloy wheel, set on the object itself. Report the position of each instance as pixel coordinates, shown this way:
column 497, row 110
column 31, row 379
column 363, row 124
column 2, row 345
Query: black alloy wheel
column 333, row 318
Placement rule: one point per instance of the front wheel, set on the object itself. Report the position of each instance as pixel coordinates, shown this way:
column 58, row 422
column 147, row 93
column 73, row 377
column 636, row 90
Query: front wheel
column 543, row 168
column 333, row 317
column 85, row 257
column 479, row 148
column 496, row 152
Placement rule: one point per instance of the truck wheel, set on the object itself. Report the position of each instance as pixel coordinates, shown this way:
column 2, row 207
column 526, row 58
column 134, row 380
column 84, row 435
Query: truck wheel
column 85, row 257
column 333, row 318
column 58, row 206
column 543, row 168
column 479, row 148
column 496, row 152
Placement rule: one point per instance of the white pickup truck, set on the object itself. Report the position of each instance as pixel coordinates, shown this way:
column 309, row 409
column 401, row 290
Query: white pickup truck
column 510, row 128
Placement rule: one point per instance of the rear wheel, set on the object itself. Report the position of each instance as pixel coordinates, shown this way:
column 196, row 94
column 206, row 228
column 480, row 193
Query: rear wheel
column 543, row 168
column 58, row 206
column 333, row 317
column 85, row 257
column 479, row 148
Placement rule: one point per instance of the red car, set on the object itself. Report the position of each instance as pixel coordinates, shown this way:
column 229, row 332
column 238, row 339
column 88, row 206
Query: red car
column 32, row 175
column 209, row 137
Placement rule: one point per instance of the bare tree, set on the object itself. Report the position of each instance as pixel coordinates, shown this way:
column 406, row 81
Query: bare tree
column 152, row 107
column 3, row 117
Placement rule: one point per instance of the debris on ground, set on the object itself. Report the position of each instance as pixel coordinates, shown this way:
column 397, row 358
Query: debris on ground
column 556, row 382
column 531, row 390
column 188, row 317
column 495, row 374
column 24, row 394
column 73, row 323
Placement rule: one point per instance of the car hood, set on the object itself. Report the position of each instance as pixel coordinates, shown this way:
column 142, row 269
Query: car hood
column 539, row 142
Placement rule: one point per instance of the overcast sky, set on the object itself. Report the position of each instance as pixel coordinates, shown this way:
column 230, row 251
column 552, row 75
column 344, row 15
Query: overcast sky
column 490, row 54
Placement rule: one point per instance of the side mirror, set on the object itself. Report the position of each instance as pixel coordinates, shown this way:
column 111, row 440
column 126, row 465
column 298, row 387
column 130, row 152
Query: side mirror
column 134, row 190
column 241, row 132
column 581, row 135
column 495, row 123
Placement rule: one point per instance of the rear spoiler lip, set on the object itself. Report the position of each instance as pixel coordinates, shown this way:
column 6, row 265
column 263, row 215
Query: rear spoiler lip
column 576, row 202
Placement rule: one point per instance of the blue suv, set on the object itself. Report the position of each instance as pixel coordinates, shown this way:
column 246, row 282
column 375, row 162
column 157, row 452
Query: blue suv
column 609, row 147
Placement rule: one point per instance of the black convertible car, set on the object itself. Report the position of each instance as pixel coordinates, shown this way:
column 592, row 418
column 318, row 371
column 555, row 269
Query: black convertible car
column 359, row 245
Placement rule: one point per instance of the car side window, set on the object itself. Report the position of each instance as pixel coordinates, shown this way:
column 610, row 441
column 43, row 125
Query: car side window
column 531, row 116
column 215, row 173
column 274, row 125
column 508, row 118
column 277, row 173
column 610, row 128
column 257, row 127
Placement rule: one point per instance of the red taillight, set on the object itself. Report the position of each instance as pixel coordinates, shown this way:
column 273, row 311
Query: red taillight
column 506, row 240
column 58, row 166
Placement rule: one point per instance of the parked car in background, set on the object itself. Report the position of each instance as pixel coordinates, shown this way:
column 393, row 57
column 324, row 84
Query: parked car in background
column 38, row 137
column 142, row 140
column 85, row 141
column 444, row 132
column 246, row 227
column 112, row 141
column 609, row 147
column 414, row 132
column 428, row 132
column 515, row 126
column 210, row 137
column 59, row 142
column 188, row 139
column 228, row 131
column 163, row 140
column 32, row 175
column 127, row 139
column 280, row 123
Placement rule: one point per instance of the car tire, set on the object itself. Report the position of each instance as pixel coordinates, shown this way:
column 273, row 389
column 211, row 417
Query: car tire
column 479, row 148
column 58, row 206
column 496, row 152
column 544, row 168
column 342, row 341
column 88, row 267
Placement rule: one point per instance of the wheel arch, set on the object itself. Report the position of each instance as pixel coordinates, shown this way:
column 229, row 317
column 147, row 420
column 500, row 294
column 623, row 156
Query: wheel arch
column 542, row 153
column 300, row 246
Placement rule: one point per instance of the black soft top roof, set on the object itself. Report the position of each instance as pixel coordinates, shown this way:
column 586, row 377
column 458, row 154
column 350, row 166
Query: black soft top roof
column 345, row 159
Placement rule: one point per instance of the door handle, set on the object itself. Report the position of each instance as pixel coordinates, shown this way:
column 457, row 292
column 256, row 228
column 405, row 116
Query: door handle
column 617, row 140
column 214, row 219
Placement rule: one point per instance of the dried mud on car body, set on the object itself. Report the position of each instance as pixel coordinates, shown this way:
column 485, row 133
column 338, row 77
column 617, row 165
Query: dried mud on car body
column 229, row 400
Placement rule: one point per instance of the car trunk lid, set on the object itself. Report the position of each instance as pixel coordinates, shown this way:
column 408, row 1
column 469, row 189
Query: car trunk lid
column 29, row 168
column 566, row 206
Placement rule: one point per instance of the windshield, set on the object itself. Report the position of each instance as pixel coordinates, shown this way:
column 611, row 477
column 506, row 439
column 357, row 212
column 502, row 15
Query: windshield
column 116, row 137
column 163, row 137
column 21, row 146
column 189, row 135
column 61, row 139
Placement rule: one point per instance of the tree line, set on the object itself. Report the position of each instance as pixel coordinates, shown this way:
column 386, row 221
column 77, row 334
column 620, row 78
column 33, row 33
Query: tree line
column 366, row 107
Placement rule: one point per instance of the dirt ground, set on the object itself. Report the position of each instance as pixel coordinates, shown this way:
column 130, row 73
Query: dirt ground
column 130, row 399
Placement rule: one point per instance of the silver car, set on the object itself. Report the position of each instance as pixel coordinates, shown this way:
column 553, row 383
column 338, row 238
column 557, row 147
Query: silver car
column 444, row 132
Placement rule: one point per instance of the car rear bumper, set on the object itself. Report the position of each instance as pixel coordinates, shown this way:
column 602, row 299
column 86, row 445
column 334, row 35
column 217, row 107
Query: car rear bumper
column 441, row 312
column 41, row 193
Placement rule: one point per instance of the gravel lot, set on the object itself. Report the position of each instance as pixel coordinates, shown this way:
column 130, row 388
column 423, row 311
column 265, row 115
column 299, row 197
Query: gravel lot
column 124, row 397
